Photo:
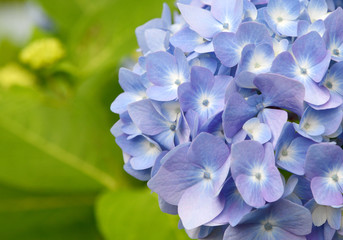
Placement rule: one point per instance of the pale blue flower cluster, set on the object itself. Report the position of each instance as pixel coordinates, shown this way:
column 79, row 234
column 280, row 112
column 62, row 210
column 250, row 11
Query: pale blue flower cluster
column 233, row 114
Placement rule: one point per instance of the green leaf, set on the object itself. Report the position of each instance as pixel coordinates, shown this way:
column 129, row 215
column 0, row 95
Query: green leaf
column 133, row 215
column 56, row 145
column 31, row 216
column 100, row 33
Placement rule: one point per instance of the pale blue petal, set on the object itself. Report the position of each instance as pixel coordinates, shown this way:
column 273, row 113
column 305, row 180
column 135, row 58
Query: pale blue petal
column 200, row 20
column 166, row 207
column 116, row 128
column 303, row 27
column 162, row 93
column 166, row 15
column 142, row 175
column 182, row 65
column 175, row 176
column 321, row 159
column 130, row 81
column 202, row 79
column 245, row 79
column 162, row 68
column 279, row 233
column 318, row 26
column 206, row 47
column 219, row 87
column 314, row 121
column 250, row 190
column 288, row 28
column 317, row 8
column 257, row 59
column 129, row 127
column 275, row 119
column 236, row 113
column 158, row 163
column 235, row 207
column 244, row 156
column 257, row 131
column 280, row 91
column 228, row 11
column 188, row 98
column 169, row 110
column 335, row 101
column 133, row 147
column 197, row 206
column 183, row 130
column 334, row 216
column 250, row 11
column 148, row 120
column 290, row 186
column 303, row 133
column 292, row 158
column 209, row 151
column 309, row 50
column 186, row 39
column 318, row 71
column 292, row 218
column 205, row 61
column 290, row 9
column 336, row 77
column 284, row 64
column 227, row 49
column 146, row 160
column 280, row 46
column 286, row 137
column 166, row 139
column 122, row 101
column 253, row 33
column 157, row 39
column 192, row 118
column 314, row 93
column 246, row 232
column 155, row 23
column 325, row 192
column 272, row 189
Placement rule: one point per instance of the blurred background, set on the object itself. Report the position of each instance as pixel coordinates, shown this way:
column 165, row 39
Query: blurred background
column 61, row 173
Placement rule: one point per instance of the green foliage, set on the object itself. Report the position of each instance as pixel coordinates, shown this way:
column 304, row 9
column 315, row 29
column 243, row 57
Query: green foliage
column 30, row 216
column 136, row 210
column 57, row 153
column 54, row 137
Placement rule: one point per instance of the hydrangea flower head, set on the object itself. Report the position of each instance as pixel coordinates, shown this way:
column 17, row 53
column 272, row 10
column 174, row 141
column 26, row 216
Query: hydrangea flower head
column 233, row 116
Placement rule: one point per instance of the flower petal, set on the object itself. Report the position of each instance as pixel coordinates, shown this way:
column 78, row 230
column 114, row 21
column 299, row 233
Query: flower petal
column 250, row 190
column 325, row 192
column 228, row 11
column 322, row 158
column 280, row 91
column 146, row 118
column 200, row 20
column 237, row 111
column 197, row 206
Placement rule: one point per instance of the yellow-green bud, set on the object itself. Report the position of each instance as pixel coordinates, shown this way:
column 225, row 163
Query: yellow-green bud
column 13, row 74
column 42, row 53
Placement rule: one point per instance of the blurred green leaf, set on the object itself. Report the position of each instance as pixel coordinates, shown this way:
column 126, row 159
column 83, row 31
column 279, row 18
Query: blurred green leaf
column 8, row 52
column 100, row 33
column 40, row 217
column 56, row 145
column 133, row 215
